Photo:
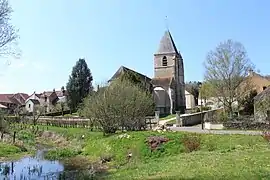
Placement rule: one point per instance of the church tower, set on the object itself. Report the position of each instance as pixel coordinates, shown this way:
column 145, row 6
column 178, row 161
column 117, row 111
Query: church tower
column 169, row 75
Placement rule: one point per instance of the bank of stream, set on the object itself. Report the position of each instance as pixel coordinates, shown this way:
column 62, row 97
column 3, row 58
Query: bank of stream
column 47, row 155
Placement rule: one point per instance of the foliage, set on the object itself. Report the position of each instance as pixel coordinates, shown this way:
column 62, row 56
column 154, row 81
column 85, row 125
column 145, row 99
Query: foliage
column 155, row 142
column 122, row 104
column 193, row 88
column 206, row 91
column 6, row 149
column 37, row 112
column 135, row 79
column 226, row 70
column 60, row 107
column 266, row 136
column 191, row 143
column 248, row 103
column 61, row 153
column 3, row 123
column 8, row 33
column 79, row 84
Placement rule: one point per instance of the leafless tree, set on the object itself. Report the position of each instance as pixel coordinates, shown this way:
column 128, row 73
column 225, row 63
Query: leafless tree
column 226, row 70
column 37, row 112
column 121, row 104
column 8, row 33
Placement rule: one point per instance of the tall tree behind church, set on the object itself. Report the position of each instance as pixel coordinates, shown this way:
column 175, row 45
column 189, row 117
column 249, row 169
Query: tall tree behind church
column 79, row 84
column 193, row 88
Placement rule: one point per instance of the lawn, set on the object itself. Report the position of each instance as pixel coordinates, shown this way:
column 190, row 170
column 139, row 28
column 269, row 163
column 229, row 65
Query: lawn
column 215, row 156
column 168, row 117
column 218, row 157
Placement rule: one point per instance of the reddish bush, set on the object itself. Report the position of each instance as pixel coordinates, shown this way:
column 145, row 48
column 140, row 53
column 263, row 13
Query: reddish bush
column 266, row 136
column 191, row 143
column 155, row 141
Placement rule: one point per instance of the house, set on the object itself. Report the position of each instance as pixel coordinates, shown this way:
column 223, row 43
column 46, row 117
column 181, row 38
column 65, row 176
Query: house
column 190, row 100
column 168, row 82
column 253, row 81
column 11, row 101
column 262, row 105
column 30, row 104
column 48, row 99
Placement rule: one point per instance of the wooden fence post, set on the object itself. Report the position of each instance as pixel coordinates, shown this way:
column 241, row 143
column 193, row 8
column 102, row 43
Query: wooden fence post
column 14, row 137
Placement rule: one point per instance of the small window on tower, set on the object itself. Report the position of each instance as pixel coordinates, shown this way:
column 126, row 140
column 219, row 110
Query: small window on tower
column 164, row 61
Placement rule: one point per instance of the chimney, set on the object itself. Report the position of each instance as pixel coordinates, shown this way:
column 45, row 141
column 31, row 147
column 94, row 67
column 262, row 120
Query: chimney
column 53, row 89
column 250, row 72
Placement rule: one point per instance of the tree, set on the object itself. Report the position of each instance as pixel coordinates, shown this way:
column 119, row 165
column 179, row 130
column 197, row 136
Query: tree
column 121, row 104
column 60, row 107
column 8, row 33
column 193, row 88
column 37, row 112
column 206, row 91
column 226, row 70
column 79, row 84
column 248, row 103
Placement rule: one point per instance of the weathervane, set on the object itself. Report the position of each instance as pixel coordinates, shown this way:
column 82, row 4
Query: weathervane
column 166, row 22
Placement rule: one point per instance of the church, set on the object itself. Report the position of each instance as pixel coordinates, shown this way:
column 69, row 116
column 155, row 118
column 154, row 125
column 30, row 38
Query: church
column 168, row 83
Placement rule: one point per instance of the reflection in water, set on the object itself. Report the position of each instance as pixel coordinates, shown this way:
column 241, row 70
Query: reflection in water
column 30, row 168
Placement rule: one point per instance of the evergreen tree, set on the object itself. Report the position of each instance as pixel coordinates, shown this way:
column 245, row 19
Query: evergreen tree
column 79, row 84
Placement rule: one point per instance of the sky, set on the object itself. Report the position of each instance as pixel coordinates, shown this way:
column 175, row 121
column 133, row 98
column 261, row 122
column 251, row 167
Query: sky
column 54, row 34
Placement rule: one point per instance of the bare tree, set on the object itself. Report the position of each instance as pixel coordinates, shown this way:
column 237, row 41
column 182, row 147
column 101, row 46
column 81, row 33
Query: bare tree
column 8, row 33
column 37, row 112
column 226, row 70
column 121, row 104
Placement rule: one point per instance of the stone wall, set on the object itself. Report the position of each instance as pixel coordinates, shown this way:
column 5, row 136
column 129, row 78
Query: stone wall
column 196, row 118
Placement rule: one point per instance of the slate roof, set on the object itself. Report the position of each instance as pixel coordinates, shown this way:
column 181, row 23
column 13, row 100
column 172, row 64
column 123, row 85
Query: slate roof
column 124, row 69
column 18, row 98
column 265, row 93
column 163, row 82
column 167, row 45
column 35, row 101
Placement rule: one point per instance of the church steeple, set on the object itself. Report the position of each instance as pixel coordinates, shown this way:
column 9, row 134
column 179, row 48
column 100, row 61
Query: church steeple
column 167, row 45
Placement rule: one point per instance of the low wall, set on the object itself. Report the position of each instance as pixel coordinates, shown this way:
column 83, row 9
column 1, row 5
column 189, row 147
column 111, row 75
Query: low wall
column 196, row 118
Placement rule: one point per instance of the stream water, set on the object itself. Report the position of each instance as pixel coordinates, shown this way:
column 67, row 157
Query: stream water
column 31, row 168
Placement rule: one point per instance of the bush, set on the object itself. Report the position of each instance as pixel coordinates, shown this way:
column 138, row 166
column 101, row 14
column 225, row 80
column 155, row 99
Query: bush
column 191, row 143
column 121, row 104
column 155, row 142
column 61, row 153
column 266, row 136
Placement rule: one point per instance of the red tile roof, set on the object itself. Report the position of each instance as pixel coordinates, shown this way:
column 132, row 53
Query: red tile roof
column 14, row 98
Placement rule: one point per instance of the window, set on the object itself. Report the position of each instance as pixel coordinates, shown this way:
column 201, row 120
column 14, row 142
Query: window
column 45, row 99
column 164, row 61
column 29, row 105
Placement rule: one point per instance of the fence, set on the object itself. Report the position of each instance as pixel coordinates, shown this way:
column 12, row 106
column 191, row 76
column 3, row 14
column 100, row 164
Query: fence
column 78, row 122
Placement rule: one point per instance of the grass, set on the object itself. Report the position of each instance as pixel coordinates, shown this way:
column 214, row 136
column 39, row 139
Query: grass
column 168, row 117
column 216, row 157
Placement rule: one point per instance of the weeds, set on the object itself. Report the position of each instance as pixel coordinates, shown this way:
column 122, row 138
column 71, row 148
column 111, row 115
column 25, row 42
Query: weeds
column 191, row 143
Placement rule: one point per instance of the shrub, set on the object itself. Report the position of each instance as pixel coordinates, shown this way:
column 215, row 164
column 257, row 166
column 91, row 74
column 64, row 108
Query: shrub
column 266, row 136
column 154, row 142
column 61, row 153
column 121, row 104
column 191, row 143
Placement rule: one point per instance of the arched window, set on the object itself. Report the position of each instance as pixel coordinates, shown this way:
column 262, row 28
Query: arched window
column 164, row 61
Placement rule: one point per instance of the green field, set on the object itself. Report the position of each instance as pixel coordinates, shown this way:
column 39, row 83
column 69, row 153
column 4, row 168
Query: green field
column 216, row 157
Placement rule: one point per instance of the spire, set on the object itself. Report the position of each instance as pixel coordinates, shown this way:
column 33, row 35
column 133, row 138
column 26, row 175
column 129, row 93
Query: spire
column 166, row 45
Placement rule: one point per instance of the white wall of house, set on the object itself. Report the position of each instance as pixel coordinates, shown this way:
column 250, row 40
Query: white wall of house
column 29, row 105
column 190, row 101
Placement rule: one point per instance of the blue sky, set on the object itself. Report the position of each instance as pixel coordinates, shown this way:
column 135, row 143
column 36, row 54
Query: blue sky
column 54, row 34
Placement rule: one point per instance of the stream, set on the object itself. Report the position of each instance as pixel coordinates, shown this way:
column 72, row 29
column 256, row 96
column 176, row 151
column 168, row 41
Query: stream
column 31, row 168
